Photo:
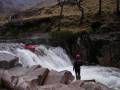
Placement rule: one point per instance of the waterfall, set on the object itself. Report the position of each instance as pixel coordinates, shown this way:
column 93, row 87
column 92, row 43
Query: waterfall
column 57, row 59
column 52, row 58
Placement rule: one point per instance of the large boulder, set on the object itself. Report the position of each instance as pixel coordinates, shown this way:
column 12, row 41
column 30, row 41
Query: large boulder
column 95, row 86
column 76, row 85
column 89, row 85
column 59, row 87
column 8, row 60
column 21, row 78
column 54, row 77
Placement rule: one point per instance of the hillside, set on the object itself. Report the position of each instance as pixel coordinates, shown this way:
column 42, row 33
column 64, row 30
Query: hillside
column 70, row 21
column 71, row 14
column 10, row 6
column 90, row 8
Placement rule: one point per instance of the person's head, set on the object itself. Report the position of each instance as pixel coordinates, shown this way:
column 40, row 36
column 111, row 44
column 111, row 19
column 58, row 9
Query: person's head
column 77, row 56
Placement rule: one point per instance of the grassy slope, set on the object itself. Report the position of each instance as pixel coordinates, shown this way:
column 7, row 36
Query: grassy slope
column 90, row 6
column 71, row 14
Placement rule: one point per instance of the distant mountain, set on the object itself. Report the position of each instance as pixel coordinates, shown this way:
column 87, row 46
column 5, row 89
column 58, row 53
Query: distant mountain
column 9, row 6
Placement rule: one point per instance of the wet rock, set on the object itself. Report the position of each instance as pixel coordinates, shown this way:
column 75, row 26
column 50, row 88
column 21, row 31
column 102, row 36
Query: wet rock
column 76, row 85
column 67, row 77
column 89, row 85
column 8, row 60
column 59, row 87
column 54, row 77
column 22, row 71
column 37, row 78
column 94, row 86
column 22, row 78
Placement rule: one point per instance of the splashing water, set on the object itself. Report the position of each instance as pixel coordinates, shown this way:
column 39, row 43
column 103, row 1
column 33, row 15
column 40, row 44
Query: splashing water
column 7, row 52
column 52, row 58
column 57, row 59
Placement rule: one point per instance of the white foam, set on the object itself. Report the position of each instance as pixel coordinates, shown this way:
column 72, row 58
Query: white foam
column 48, row 58
column 7, row 52
column 57, row 59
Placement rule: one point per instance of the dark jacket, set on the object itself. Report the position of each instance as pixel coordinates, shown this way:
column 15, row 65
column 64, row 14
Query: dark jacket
column 77, row 64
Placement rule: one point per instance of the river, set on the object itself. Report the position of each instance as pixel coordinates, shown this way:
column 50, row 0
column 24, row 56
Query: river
column 56, row 58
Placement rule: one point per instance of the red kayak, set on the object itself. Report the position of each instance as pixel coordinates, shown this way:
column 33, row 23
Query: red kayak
column 30, row 47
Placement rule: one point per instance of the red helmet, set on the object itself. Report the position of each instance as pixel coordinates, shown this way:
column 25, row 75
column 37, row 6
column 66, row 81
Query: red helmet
column 30, row 47
column 77, row 56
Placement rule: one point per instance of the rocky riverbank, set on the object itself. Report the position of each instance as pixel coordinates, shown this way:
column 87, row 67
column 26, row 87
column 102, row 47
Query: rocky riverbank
column 39, row 78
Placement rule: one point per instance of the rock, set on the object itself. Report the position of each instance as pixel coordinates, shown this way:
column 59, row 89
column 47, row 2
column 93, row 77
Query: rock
column 67, row 77
column 59, row 87
column 54, row 77
column 25, row 79
column 89, row 85
column 8, row 60
column 95, row 86
column 37, row 78
column 77, row 83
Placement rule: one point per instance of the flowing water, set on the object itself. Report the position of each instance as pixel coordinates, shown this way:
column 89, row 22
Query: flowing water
column 56, row 58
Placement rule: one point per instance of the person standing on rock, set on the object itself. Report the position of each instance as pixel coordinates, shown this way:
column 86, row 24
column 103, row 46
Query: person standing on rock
column 76, row 66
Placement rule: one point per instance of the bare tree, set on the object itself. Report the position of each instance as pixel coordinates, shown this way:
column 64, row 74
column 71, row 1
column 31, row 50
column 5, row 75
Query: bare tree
column 100, row 6
column 61, row 3
column 81, row 10
column 118, row 6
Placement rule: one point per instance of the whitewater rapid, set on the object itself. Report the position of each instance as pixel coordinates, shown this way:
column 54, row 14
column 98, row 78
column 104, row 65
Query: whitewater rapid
column 52, row 58
column 57, row 59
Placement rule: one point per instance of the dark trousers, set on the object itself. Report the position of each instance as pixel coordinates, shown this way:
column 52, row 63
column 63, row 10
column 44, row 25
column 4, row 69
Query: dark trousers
column 77, row 72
